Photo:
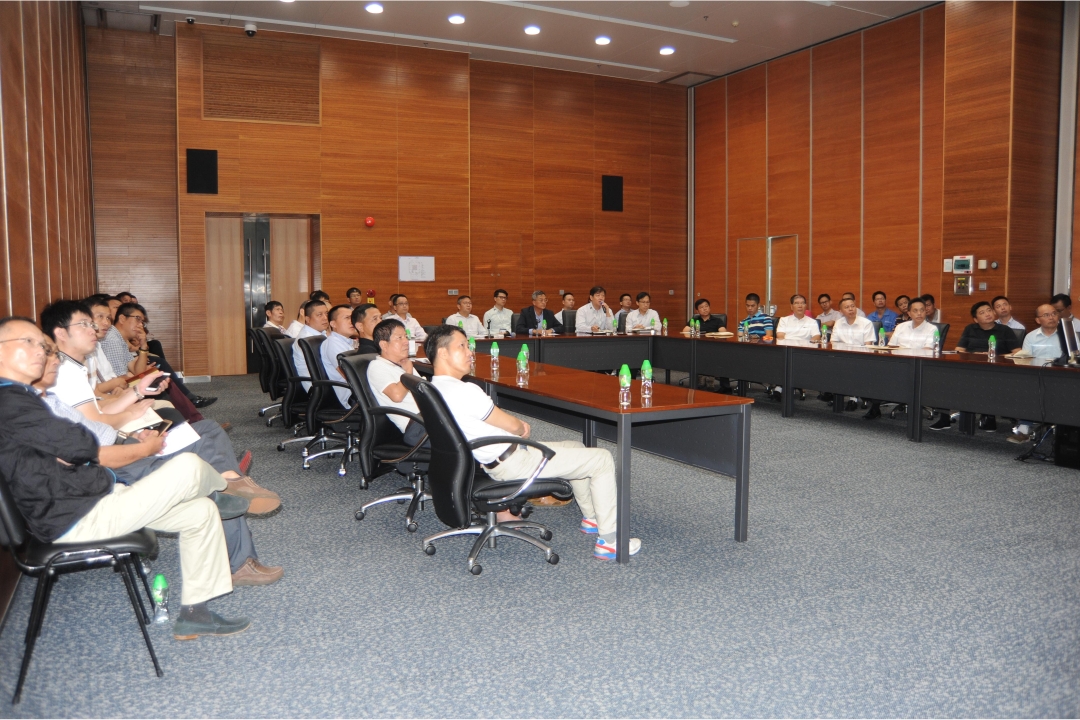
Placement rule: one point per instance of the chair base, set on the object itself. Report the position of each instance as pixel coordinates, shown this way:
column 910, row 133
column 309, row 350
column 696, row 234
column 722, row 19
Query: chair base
column 415, row 495
column 262, row 413
column 489, row 531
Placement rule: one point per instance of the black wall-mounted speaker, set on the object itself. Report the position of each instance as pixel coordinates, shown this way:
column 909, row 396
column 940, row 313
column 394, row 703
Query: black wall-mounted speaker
column 611, row 193
column 202, row 172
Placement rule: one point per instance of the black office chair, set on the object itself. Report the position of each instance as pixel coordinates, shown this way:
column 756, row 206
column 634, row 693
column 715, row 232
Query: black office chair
column 723, row 319
column 514, row 317
column 943, row 331
column 460, row 490
column 1020, row 335
column 621, row 327
column 380, row 446
column 877, row 328
column 569, row 321
column 327, row 420
column 45, row 561
column 270, row 373
column 294, row 402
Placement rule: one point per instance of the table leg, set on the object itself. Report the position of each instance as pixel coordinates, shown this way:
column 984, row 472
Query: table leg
column 967, row 423
column 742, row 473
column 622, row 489
column 838, row 403
column 914, row 419
column 588, row 436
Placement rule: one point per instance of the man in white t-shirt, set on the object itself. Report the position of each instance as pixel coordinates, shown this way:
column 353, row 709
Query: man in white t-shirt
column 591, row 471
column 469, row 322
column 852, row 329
column 916, row 334
column 644, row 318
column 384, row 375
column 317, row 320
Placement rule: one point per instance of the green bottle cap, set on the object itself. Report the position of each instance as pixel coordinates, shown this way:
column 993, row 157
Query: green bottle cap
column 652, row 321
column 543, row 324
column 624, row 376
column 937, row 333
column 521, row 353
column 460, row 324
column 160, row 583
column 472, row 343
column 494, row 347
column 646, row 370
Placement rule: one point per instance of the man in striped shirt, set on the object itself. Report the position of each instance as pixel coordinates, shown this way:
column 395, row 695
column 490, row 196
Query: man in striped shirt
column 758, row 324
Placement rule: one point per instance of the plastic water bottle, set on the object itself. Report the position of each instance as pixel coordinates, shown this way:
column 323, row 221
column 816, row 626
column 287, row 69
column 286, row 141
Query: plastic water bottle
column 160, row 593
column 937, row 343
column 646, row 380
column 824, row 335
column 614, row 325
column 991, row 354
column 494, row 358
column 665, row 327
column 522, row 368
column 412, row 343
column 624, row 386
column 525, row 349
column 543, row 327
column 472, row 353
column 881, row 337
column 746, row 331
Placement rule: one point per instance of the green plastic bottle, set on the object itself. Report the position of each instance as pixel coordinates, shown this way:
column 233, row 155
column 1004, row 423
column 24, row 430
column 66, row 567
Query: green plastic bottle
column 494, row 358
column 646, row 379
column 624, row 385
column 160, row 594
column 522, row 368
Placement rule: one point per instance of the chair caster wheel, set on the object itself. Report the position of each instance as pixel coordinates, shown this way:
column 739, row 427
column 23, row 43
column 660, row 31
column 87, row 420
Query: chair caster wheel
column 270, row 422
column 429, row 549
column 306, row 466
column 546, row 535
column 363, row 484
column 412, row 527
column 476, row 569
column 341, row 472
column 553, row 558
column 281, row 447
column 359, row 515
column 400, row 502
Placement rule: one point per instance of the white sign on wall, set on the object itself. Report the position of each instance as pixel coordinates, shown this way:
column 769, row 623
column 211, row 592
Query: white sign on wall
column 416, row 268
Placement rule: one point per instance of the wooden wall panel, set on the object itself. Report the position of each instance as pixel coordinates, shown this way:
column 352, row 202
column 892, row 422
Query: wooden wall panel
column 711, row 268
column 837, row 207
column 933, row 117
column 132, row 80
column 891, row 163
column 564, row 182
column 747, row 182
column 667, row 220
column 45, row 245
column 978, row 91
column 789, row 166
column 290, row 263
column 225, row 295
column 1033, row 162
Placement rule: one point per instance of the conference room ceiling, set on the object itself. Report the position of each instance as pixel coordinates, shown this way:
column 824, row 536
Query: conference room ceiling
column 709, row 39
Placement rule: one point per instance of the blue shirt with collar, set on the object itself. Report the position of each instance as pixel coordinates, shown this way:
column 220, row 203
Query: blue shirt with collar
column 886, row 317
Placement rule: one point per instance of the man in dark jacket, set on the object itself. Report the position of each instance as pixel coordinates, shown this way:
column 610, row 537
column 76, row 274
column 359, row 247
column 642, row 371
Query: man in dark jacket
column 533, row 317
column 50, row 465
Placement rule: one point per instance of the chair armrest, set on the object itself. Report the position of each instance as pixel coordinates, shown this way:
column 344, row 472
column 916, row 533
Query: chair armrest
column 511, row 440
column 297, row 379
column 396, row 411
column 330, row 383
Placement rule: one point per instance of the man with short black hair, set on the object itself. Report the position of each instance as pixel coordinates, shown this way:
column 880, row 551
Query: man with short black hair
column 499, row 318
column 915, row 333
column 384, row 376
column 316, row 322
column 851, row 296
column 882, row 314
column 364, row 320
column 798, row 325
column 1046, row 344
column 275, row 316
column 594, row 316
column 341, row 338
column 828, row 315
column 401, row 314
column 1063, row 304
column 757, row 323
column 320, row 296
column 125, row 297
column 703, row 314
column 644, row 318
column 852, row 329
column 902, row 302
column 464, row 318
column 356, row 298
column 567, row 304
column 626, row 304
column 591, row 471
column 933, row 313
column 1003, row 308
column 51, row 467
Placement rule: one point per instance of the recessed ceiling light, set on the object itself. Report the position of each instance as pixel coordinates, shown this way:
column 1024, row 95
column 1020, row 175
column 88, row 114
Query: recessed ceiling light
column 667, row 51
column 532, row 30
column 679, row 3
column 374, row 8
column 456, row 19
column 603, row 40
column 286, row 1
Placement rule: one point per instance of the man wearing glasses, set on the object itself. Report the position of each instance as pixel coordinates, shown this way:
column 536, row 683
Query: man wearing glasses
column 499, row 318
column 130, row 324
column 401, row 314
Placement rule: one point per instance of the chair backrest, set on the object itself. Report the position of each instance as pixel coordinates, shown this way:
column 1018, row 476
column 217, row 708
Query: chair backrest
column 13, row 532
column 621, row 327
column 514, row 317
column 320, row 397
column 943, row 331
column 722, row 317
column 268, row 368
column 253, row 347
column 569, row 320
column 450, row 475
column 877, row 328
column 376, row 429
column 1021, row 334
column 276, row 379
column 294, row 392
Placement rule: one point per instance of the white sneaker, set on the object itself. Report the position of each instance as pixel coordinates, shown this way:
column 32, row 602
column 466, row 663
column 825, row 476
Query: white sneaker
column 605, row 551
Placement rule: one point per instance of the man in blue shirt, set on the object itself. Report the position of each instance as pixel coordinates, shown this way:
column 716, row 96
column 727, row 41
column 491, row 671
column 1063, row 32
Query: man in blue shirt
column 882, row 314
column 758, row 324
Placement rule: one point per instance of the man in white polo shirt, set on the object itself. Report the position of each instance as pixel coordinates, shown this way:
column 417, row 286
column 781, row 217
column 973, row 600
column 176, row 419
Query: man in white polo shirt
column 852, row 329
column 317, row 321
column 644, row 318
column 384, row 375
column 465, row 319
column 591, row 471
column 916, row 333
column 798, row 325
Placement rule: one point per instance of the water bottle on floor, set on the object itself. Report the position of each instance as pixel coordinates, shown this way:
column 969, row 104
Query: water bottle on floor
column 624, row 385
column 160, row 593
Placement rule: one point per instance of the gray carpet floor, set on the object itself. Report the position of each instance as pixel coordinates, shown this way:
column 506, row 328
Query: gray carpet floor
column 881, row 578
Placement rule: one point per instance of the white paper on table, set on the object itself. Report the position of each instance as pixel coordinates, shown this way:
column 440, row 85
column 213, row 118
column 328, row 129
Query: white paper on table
column 179, row 437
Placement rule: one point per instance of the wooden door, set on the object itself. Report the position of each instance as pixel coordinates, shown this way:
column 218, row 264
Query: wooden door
column 751, row 272
column 290, row 263
column 783, row 271
column 225, row 332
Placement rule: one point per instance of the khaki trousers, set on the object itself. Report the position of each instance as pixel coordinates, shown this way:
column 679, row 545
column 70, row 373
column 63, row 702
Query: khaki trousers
column 591, row 472
column 173, row 498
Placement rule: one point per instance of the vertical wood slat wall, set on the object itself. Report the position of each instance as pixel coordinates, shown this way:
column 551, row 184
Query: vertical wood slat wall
column 890, row 148
column 46, row 236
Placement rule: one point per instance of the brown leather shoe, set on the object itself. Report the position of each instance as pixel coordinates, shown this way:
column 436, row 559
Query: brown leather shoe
column 549, row 501
column 263, row 501
column 253, row 572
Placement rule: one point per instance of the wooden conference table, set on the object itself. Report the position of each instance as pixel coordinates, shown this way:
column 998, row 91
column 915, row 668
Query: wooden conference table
column 695, row 427
column 958, row 381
